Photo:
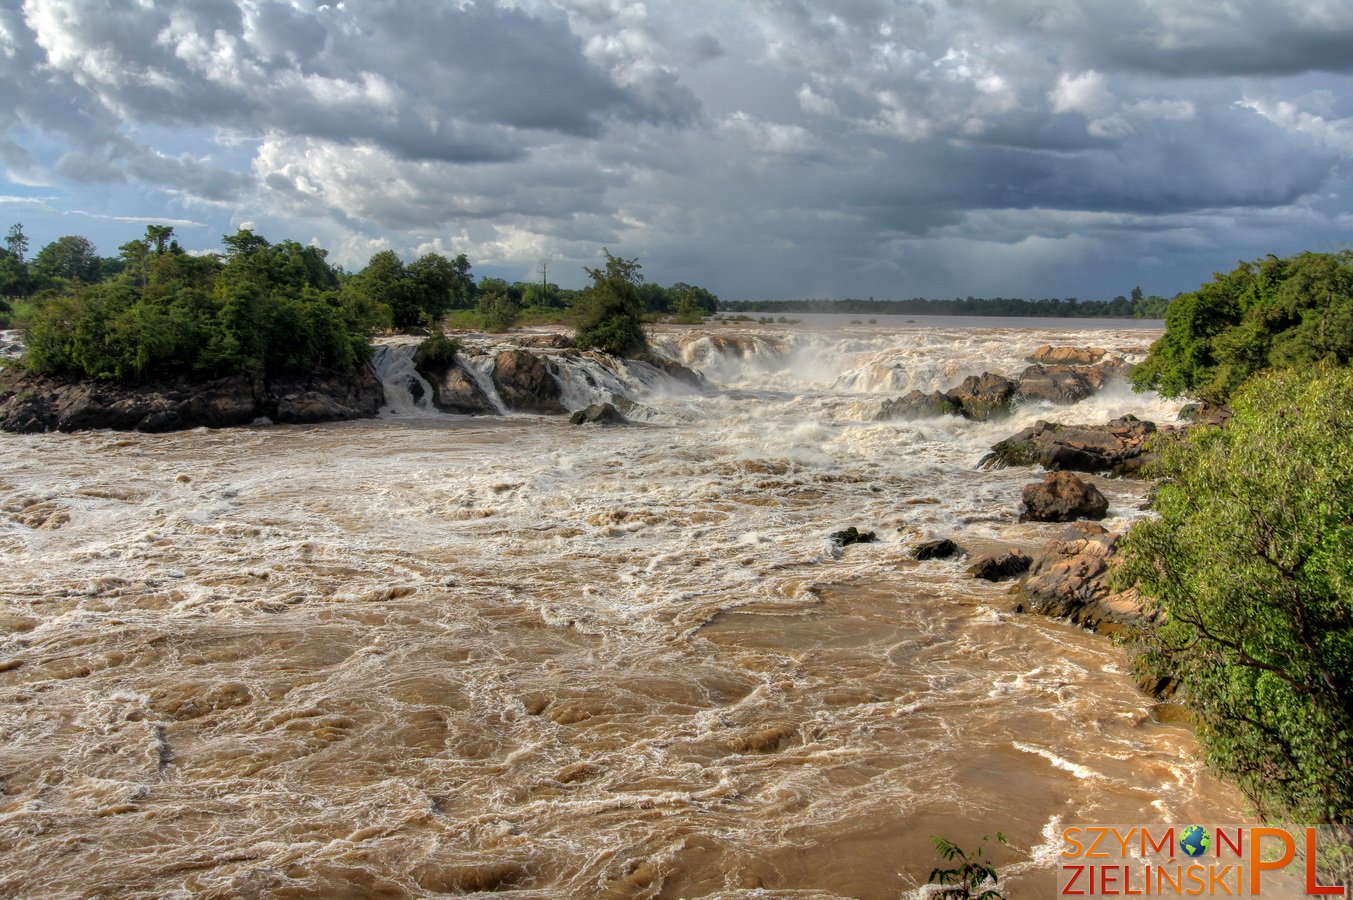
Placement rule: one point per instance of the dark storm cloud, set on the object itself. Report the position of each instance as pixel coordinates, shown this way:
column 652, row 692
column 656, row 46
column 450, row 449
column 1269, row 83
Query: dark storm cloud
column 767, row 146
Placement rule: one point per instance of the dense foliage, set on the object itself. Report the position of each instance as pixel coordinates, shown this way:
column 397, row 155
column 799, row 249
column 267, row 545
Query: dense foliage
column 1272, row 312
column 1251, row 564
column 611, row 310
column 262, row 308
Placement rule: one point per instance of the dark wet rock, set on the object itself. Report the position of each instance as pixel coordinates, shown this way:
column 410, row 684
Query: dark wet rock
column 983, row 397
column 526, row 382
column 938, row 549
column 1062, row 497
column 1067, row 384
column 917, row 405
column 1000, row 566
column 853, row 535
column 1116, row 447
column 1066, row 356
column 674, row 369
column 604, row 414
column 35, row 403
column 1205, row 414
column 454, row 389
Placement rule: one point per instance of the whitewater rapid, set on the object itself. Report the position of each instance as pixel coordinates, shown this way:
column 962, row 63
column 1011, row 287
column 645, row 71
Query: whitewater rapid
column 429, row 654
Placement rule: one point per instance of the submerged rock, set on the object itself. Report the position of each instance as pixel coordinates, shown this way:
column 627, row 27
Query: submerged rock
column 853, row 535
column 1000, row 566
column 604, row 414
column 35, row 403
column 1062, row 497
column 1116, row 447
column 938, row 549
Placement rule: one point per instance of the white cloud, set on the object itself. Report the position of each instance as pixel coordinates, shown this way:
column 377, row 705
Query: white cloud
column 1086, row 93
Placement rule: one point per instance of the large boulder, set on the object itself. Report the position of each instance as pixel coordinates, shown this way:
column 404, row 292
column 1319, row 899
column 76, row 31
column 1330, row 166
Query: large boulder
column 982, row 397
column 916, row 405
column 941, row 548
column 1062, row 497
column 454, row 390
column 1066, row 356
column 1116, row 447
column 1066, row 384
column 526, row 382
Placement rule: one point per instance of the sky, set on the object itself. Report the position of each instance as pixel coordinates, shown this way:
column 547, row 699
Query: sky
column 759, row 148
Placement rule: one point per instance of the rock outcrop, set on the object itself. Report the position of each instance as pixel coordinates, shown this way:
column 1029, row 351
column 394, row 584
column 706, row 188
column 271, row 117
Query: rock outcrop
column 1069, row 580
column 1062, row 497
column 526, row 382
column 983, row 397
column 853, row 535
column 1049, row 355
column 35, row 403
column 1067, row 384
column 454, row 390
column 1117, row 447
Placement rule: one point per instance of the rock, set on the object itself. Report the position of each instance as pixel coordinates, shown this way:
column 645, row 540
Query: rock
column 1069, row 580
column 674, row 369
column 526, row 382
column 35, row 403
column 454, row 390
column 604, row 414
column 1000, row 566
column 981, row 397
column 939, row 549
column 1062, row 497
column 1205, row 414
column 852, row 535
column 916, row 405
column 1074, row 356
column 1116, row 447
column 1066, row 384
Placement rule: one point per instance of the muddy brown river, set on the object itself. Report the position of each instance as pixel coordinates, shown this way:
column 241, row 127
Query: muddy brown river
column 431, row 655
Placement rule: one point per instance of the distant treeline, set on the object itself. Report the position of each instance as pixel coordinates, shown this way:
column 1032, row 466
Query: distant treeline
column 1133, row 307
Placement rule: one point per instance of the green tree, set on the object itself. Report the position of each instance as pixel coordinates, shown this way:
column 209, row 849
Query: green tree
column 1269, row 313
column 610, row 309
column 497, row 305
column 1250, row 567
column 70, row 259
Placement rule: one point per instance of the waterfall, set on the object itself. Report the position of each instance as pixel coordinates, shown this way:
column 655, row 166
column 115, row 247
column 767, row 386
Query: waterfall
column 480, row 370
column 406, row 392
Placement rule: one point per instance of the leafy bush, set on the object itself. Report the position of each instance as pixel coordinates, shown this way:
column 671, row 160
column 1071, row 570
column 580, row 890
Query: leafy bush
column 437, row 351
column 1251, row 564
column 1269, row 313
column 610, row 310
column 973, row 878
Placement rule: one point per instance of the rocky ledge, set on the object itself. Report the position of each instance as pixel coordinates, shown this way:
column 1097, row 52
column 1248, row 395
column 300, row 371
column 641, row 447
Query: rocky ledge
column 31, row 403
column 1118, row 447
column 991, row 396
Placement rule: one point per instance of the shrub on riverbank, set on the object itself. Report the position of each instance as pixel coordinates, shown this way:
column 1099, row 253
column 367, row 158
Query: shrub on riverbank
column 1251, row 564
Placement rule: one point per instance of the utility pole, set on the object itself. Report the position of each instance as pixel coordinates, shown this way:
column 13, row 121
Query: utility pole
column 544, row 284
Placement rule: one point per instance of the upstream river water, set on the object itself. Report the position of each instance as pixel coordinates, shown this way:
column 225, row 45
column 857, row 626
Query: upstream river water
column 429, row 655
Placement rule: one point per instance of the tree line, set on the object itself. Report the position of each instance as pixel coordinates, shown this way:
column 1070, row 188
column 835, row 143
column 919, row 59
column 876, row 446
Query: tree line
column 1135, row 306
column 262, row 308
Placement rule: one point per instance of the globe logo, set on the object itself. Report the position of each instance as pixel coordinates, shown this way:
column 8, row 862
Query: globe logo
column 1195, row 840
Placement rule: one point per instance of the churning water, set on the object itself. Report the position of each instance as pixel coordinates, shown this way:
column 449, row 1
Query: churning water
column 428, row 654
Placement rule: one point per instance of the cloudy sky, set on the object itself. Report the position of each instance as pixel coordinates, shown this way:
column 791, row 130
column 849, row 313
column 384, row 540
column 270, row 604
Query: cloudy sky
column 762, row 148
